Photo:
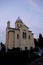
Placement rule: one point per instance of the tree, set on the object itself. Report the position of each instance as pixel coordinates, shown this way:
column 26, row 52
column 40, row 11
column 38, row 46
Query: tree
column 36, row 43
column 40, row 36
column 40, row 40
column 3, row 49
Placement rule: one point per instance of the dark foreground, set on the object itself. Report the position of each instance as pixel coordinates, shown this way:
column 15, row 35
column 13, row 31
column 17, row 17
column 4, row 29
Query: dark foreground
column 17, row 57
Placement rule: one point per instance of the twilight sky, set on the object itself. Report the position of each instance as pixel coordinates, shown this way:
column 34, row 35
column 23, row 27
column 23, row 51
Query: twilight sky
column 30, row 11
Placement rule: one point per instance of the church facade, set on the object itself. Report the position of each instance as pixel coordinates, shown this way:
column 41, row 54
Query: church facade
column 20, row 36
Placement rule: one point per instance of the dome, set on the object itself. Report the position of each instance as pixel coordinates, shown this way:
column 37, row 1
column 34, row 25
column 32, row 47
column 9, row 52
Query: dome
column 8, row 22
column 19, row 20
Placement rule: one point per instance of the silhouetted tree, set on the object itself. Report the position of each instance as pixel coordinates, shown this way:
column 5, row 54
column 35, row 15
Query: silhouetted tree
column 40, row 40
column 40, row 36
column 36, row 43
column 3, row 49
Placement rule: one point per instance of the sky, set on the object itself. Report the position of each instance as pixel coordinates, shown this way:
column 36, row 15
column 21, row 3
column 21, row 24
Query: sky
column 30, row 12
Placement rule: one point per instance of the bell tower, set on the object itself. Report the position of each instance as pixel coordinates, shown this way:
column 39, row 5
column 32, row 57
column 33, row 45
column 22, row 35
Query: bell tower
column 18, row 23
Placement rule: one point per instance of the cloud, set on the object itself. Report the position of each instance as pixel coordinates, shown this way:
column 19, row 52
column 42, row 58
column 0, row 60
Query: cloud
column 35, row 4
column 32, row 3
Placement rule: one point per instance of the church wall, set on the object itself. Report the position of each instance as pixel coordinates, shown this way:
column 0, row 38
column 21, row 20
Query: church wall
column 7, row 37
column 11, row 40
column 21, row 40
column 16, row 40
column 24, row 42
column 31, row 44
column 32, row 41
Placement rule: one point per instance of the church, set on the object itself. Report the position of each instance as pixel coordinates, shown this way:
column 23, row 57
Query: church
column 20, row 36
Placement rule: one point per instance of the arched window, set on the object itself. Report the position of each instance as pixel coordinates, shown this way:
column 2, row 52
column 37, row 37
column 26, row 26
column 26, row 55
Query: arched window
column 24, row 35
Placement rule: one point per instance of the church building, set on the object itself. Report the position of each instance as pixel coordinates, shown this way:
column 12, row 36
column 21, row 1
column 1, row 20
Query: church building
column 20, row 36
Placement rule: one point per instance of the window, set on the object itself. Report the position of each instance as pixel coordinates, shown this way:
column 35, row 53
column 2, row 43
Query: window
column 24, row 35
column 17, row 36
column 29, row 36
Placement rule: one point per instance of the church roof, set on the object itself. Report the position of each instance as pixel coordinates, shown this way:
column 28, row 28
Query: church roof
column 12, row 29
column 26, row 26
column 19, row 20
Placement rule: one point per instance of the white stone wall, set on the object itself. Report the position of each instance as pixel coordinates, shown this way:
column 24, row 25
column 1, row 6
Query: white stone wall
column 31, row 40
column 16, row 40
column 11, row 40
column 26, row 42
